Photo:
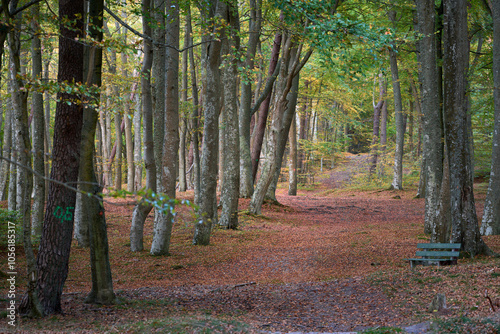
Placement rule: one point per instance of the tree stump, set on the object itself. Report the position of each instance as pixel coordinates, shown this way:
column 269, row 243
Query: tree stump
column 438, row 304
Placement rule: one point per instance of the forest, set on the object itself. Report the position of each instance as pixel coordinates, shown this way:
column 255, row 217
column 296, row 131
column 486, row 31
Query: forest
column 187, row 135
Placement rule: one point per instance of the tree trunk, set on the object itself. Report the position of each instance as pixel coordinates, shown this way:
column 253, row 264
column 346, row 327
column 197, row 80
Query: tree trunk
column 24, row 182
column 292, row 162
column 38, row 128
column 283, row 86
column 211, row 107
column 246, row 173
column 159, row 88
column 303, row 122
column 137, row 141
column 94, row 215
column 397, row 181
column 119, row 147
column 6, row 152
column 376, row 125
column 465, row 227
column 129, row 140
column 288, row 118
column 165, row 219
column 264, row 107
column 55, row 243
column 431, row 110
column 143, row 208
column 184, row 119
column 231, row 144
column 491, row 217
column 195, row 125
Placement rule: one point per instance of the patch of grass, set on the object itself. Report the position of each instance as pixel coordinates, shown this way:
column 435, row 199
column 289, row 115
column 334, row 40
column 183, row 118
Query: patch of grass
column 466, row 325
column 200, row 324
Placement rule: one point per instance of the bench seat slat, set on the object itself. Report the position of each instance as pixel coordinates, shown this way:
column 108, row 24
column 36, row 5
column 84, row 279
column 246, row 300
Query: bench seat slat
column 437, row 253
column 438, row 246
column 429, row 260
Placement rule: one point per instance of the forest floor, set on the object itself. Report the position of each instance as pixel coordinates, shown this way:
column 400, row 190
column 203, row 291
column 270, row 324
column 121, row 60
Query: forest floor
column 329, row 259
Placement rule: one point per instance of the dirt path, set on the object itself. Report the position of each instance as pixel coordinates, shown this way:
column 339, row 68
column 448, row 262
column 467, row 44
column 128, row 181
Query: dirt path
column 303, row 267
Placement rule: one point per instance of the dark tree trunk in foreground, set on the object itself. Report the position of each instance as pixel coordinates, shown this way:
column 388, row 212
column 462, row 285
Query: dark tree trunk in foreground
column 55, row 244
column 465, row 227
column 102, row 282
column 491, row 217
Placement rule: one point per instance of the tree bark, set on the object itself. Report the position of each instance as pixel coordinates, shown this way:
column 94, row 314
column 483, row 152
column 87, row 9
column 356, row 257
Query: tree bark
column 195, row 121
column 397, row 181
column 283, row 135
column 264, row 107
column 465, row 227
column 159, row 88
column 55, row 243
column 377, row 109
column 211, row 107
column 292, row 162
column 24, row 182
column 231, row 144
column 246, row 172
column 431, row 110
column 184, row 117
column 142, row 209
column 38, row 129
column 491, row 217
column 164, row 218
column 137, row 141
column 6, row 152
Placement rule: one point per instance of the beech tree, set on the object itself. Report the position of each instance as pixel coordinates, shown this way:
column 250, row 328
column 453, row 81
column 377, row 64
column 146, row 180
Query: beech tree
column 231, row 143
column 491, row 217
column 207, row 200
column 465, row 228
column 55, row 242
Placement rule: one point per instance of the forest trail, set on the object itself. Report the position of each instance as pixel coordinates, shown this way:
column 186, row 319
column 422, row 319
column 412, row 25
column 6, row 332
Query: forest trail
column 319, row 262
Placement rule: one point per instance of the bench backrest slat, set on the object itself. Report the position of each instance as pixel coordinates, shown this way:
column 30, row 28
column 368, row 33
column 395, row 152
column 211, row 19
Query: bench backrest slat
column 438, row 253
column 438, row 246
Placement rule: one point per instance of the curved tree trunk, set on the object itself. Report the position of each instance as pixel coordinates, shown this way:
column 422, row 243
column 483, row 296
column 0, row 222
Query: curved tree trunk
column 246, row 174
column 288, row 118
column 260, row 127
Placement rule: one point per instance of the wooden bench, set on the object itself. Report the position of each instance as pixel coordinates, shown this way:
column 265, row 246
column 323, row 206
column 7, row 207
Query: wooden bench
column 436, row 254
